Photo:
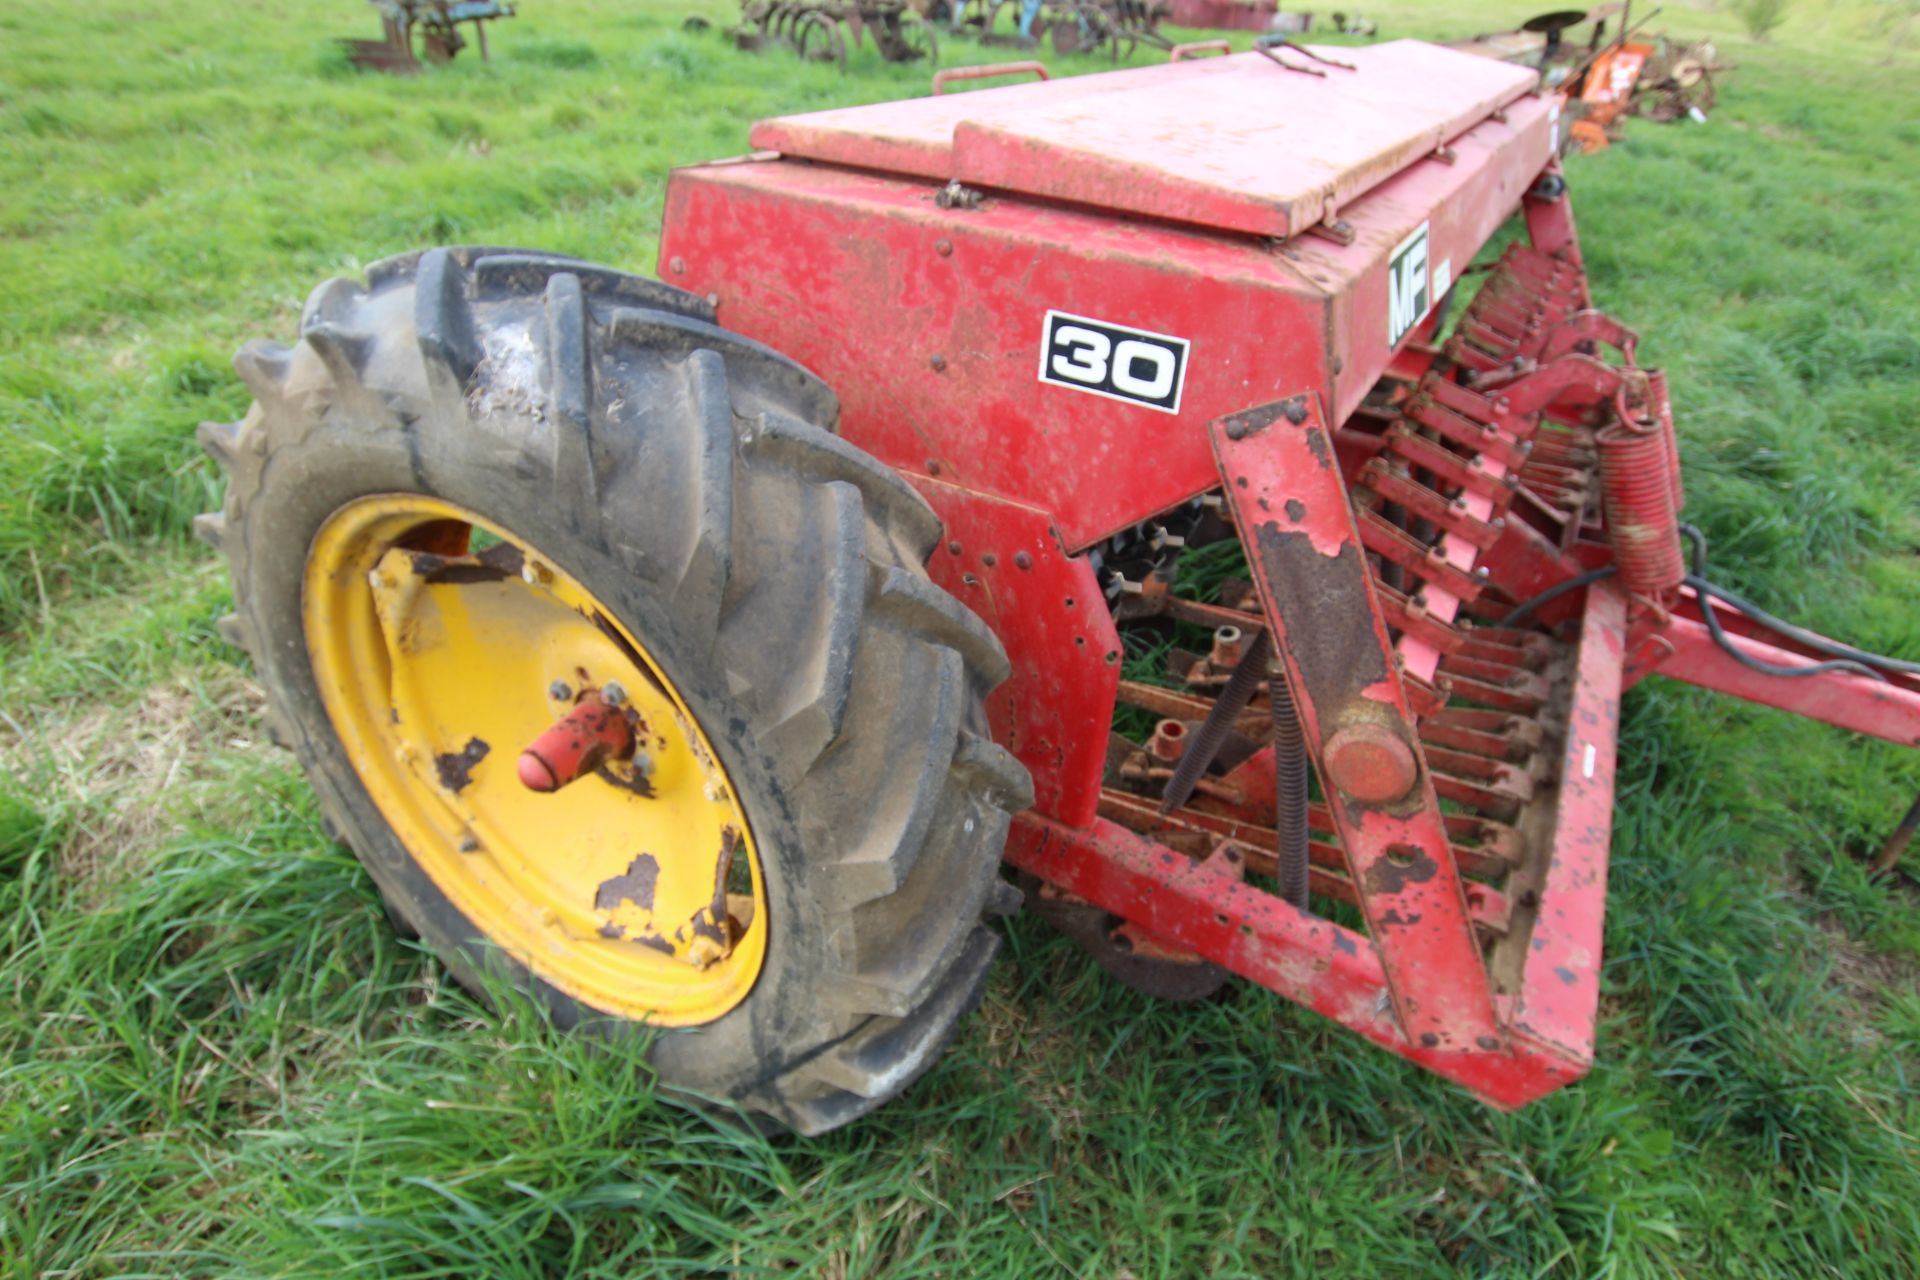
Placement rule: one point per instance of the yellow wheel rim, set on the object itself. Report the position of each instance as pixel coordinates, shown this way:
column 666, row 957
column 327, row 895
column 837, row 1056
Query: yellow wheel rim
column 442, row 646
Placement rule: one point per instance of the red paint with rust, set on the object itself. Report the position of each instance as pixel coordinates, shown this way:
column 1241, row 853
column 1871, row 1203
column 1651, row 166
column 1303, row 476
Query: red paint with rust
column 1371, row 763
column 1395, row 496
column 842, row 268
column 1006, row 563
column 1260, row 150
column 1683, row 649
column 1317, row 593
column 1204, row 908
column 1560, row 985
column 578, row 743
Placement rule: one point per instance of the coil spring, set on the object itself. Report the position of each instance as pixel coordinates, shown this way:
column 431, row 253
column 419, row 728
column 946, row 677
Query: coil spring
column 1289, row 792
column 1637, row 487
column 1663, row 414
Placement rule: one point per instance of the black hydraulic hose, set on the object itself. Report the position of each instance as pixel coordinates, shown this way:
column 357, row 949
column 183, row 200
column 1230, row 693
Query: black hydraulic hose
column 1289, row 792
column 1846, row 657
column 1710, row 616
column 1814, row 641
column 1840, row 657
column 1697, row 541
column 1557, row 590
column 1212, row 734
column 1818, row 643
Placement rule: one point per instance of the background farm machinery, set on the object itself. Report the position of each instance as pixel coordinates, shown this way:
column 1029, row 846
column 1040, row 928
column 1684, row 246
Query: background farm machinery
column 1070, row 26
column 909, row 31
column 435, row 22
column 822, row 30
column 1611, row 72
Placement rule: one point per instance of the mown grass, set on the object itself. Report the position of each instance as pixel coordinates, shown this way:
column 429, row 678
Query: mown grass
column 219, row 1060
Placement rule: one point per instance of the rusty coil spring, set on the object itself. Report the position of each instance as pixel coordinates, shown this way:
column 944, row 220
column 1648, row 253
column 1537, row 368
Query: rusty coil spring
column 1637, row 487
column 1289, row 792
column 1663, row 414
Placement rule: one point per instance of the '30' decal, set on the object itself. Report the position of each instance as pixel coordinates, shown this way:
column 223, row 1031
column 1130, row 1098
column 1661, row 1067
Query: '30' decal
column 1114, row 361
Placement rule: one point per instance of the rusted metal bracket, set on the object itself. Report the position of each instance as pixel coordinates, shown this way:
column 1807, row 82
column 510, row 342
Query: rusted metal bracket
column 1181, row 52
column 1310, row 568
column 994, row 71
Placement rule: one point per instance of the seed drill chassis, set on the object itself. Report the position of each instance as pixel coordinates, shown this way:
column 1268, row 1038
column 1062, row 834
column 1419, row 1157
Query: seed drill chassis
column 1087, row 335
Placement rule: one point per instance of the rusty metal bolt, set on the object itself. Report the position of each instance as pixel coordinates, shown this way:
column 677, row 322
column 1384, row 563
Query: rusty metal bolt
column 1229, row 647
column 939, row 363
column 1371, row 763
column 1169, row 740
column 943, row 247
column 678, row 266
column 1021, row 560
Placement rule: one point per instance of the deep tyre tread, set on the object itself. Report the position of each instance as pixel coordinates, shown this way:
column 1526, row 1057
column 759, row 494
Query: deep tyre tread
column 691, row 479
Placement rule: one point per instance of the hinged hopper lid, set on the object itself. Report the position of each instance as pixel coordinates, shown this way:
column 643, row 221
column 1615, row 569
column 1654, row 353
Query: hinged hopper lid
column 1234, row 142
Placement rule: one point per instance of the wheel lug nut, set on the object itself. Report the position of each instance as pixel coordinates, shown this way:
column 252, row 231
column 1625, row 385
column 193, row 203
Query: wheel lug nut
column 613, row 693
column 559, row 691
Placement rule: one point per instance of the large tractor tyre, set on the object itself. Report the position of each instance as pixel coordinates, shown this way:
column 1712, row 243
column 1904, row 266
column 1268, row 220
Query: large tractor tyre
column 490, row 491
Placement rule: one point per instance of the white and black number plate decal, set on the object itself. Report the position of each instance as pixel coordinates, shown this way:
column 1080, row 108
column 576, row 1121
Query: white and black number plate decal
column 1409, row 286
column 1114, row 361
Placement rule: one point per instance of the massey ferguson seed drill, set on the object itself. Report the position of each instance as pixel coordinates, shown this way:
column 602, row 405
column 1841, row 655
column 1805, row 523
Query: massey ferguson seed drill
column 1208, row 487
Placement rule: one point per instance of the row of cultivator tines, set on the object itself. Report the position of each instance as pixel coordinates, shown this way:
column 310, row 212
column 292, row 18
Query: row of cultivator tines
column 1529, row 450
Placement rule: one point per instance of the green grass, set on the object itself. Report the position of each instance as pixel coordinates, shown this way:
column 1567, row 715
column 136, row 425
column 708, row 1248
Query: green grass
column 218, row 1060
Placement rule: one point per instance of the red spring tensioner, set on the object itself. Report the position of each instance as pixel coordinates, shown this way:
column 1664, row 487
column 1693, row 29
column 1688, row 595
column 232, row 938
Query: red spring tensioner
column 1662, row 407
column 577, row 744
column 1637, row 485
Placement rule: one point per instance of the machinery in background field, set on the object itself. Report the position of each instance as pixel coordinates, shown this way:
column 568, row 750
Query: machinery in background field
column 1248, row 531
column 438, row 24
column 1601, row 81
column 1265, row 16
column 908, row 30
column 821, row 30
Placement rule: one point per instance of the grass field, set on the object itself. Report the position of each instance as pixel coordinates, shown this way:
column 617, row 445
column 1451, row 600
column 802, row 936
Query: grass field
column 219, row 1060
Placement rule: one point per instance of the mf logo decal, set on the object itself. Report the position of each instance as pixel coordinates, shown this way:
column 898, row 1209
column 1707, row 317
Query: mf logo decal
column 1114, row 361
column 1409, row 286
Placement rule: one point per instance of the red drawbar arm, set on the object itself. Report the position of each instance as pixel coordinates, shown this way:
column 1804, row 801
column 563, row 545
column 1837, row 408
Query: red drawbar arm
column 1685, row 650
